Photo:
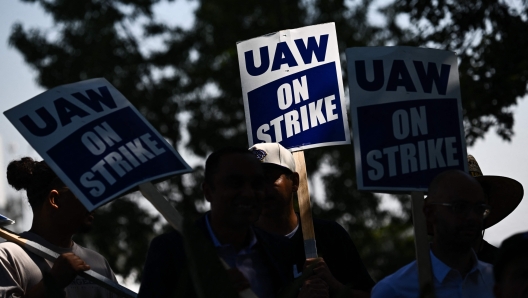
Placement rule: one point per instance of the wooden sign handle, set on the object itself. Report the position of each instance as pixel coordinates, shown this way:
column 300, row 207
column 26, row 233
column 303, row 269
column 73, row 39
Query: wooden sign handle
column 12, row 237
column 423, row 259
column 151, row 193
column 305, row 208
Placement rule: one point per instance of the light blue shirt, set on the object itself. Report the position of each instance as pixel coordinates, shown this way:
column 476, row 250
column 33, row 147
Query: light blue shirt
column 248, row 261
column 448, row 282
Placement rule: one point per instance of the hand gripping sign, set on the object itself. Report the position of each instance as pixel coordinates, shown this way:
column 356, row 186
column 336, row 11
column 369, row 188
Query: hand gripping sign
column 407, row 120
column 99, row 145
column 292, row 88
column 293, row 95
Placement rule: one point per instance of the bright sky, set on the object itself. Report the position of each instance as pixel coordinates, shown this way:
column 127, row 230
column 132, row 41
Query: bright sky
column 494, row 156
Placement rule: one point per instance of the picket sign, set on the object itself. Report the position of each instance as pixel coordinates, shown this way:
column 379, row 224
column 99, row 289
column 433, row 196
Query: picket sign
column 95, row 140
column 305, row 208
column 421, row 244
column 51, row 256
column 175, row 219
column 293, row 95
column 407, row 120
column 98, row 144
column 406, row 112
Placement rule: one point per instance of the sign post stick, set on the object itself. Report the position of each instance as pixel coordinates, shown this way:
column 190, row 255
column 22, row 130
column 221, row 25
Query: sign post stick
column 175, row 219
column 421, row 243
column 51, row 255
column 161, row 204
column 305, row 209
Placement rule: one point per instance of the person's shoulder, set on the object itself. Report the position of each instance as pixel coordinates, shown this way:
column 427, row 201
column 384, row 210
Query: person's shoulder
column 398, row 284
column 12, row 252
column 331, row 235
column 6, row 245
column 404, row 272
column 329, row 229
column 10, row 249
column 167, row 243
column 259, row 232
column 486, row 270
column 15, row 259
column 484, row 265
column 270, row 240
column 327, row 224
column 173, row 241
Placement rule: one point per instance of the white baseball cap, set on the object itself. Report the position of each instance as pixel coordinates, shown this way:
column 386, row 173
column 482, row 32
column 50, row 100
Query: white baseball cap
column 274, row 153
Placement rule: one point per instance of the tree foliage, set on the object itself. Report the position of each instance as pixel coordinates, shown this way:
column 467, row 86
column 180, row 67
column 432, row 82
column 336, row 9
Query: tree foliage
column 188, row 86
column 490, row 41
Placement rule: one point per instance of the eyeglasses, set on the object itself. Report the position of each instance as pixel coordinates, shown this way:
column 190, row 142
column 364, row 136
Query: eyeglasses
column 463, row 208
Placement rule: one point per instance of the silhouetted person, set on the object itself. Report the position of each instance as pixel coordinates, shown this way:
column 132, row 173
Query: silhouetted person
column 57, row 216
column 234, row 185
column 511, row 267
column 341, row 264
column 455, row 209
column 503, row 194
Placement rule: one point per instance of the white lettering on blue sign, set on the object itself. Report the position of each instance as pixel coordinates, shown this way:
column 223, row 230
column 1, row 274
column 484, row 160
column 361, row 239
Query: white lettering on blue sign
column 400, row 76
column 400, row 123
column 285, row 94
column 67, row 110
column 305, row 117
column 411, row 157
column 120, row 162
column 283, row 55
column 95, row 142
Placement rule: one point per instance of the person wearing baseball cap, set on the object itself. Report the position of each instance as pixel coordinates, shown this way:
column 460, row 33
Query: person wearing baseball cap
column 341, row 265
column 503, row 195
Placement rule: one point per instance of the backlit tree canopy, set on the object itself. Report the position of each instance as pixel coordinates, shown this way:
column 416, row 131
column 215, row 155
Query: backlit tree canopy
column 186, row 83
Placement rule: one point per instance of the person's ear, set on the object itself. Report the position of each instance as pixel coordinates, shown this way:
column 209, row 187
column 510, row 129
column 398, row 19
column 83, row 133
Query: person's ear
column 295, row 181
column 53, row 199
column 206, row 189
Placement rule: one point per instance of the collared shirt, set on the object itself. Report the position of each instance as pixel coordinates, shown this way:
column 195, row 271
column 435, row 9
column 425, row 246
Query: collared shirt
column 290, row 234
column 448, row 282
column 248, row 261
